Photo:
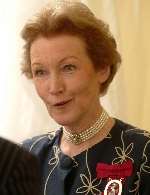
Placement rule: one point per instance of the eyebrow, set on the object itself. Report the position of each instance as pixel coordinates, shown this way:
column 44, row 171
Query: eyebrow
column 66, row 58
column 60, row 61
column 36, row 64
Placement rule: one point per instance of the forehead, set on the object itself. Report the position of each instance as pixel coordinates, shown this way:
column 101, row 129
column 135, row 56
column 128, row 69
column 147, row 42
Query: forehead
column 60, row 44
column 52, row 51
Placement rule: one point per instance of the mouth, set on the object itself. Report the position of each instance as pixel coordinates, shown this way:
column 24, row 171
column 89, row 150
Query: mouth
column 62, row 103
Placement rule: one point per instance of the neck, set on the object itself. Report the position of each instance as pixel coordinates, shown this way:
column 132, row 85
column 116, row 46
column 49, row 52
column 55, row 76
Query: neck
column 86, row 134
column 84, row 122
column 71, row 149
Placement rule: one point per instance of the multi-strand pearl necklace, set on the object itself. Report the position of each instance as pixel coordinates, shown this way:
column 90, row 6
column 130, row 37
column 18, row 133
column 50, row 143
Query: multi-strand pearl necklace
column 78, row 138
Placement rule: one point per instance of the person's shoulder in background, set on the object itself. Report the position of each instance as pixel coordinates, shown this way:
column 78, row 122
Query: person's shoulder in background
column 19, row 170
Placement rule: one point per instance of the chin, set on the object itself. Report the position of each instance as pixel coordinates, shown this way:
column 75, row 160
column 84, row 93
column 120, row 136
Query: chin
column 62, row 120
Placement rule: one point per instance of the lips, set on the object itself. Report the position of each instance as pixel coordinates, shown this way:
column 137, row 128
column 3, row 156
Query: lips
column 62, row 103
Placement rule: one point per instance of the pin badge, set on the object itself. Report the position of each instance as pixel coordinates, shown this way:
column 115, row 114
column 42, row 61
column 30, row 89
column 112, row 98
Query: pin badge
column 113, row 187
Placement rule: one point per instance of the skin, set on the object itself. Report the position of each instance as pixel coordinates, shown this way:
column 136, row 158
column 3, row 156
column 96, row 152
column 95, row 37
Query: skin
column 66, row 80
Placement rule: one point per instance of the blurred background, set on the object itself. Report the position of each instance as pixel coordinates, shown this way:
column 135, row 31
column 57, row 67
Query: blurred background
column 23, row 115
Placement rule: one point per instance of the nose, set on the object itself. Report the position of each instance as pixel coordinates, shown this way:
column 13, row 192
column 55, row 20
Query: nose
column 55, row 85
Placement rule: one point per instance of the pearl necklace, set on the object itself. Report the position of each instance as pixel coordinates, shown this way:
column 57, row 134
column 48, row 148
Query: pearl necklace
column 78, row 138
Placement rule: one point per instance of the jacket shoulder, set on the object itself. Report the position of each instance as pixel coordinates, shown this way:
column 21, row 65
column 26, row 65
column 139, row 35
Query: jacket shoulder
column 38, row 143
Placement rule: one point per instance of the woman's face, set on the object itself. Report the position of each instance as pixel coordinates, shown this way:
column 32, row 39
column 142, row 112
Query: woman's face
column 66, row 80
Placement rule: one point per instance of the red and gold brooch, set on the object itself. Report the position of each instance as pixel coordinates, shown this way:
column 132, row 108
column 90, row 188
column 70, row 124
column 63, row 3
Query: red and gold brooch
column 115, row 175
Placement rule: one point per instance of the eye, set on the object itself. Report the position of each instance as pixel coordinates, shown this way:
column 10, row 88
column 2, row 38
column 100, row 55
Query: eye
column 69, row 68
column 39, row 72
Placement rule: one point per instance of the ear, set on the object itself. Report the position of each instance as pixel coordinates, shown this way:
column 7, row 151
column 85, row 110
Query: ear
column 103, row 73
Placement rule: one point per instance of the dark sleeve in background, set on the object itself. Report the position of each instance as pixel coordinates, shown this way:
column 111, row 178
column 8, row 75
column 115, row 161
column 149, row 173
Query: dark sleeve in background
column 19, row 170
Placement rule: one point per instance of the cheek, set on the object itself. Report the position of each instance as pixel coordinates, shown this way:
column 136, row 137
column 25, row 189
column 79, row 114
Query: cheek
column 40, row 90
column 87, row 89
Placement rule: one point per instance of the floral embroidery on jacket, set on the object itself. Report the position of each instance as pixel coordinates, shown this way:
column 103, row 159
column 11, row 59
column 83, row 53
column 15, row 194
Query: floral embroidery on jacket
column 123, row 152
column 89, row 185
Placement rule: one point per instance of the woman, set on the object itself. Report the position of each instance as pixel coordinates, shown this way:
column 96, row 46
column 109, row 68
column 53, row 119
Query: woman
column 72, row 58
